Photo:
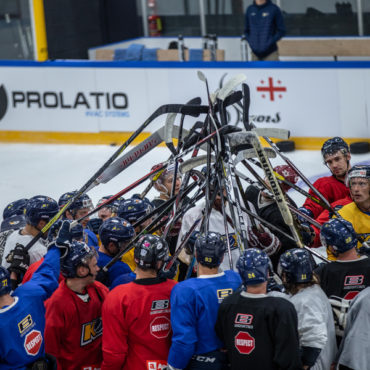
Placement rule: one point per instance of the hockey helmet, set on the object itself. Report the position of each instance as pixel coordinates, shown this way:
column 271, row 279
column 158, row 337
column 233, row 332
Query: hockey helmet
column 253, row 266
column 15, row 208
column 296, row 264
column 150, row 249
column 133, row 209
column 145, row 200
column 113, row 206
column 5, row 286
column 40, row 208
column 358, row 171
column 168, row 171
column 333, row 145
column 339, row 233
column 79, row 254
column 287, row 172
column 210, row 249
column 83, row 201
column 115, row 230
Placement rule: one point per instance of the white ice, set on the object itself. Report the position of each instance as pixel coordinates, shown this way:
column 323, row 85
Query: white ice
column 29, row 169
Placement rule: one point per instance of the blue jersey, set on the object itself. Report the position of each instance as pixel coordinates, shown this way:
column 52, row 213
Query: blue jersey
column 123, row 279
column 90, row 239
column 22, row 323
column 194, row 309
column 115, row 271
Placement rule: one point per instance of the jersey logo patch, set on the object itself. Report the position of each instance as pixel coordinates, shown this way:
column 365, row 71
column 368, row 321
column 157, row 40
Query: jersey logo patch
column 91, row 330
column 25, row 323
column 32, row 342
column 160, row 305
column 244, row 343
column 160, row 327
column 242, row 318
column 223, row 293
column 354, row 280
column 156, row 365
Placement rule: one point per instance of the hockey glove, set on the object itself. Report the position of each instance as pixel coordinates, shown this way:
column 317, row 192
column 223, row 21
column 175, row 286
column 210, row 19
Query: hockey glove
column 94, row 225
column 307, row 233
column 264, row 240
column 19, row 260
column 189, row 248
column 168, row 274
column 305, row 211
column 64, row 238
column 53, row 232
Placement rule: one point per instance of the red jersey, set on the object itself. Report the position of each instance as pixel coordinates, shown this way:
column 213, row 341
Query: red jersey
column 73, row 330
column 325, row 215
column 28, row 275
column 137, row 326
column 331, row 188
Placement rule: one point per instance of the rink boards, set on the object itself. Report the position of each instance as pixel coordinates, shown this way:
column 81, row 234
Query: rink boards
column 104, row 102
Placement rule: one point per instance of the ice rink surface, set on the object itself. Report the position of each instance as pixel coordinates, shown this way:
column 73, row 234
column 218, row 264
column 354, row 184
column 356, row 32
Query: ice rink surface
column 29, row 169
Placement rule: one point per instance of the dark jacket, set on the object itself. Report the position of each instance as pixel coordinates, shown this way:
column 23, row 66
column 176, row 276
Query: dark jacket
column 264, row 27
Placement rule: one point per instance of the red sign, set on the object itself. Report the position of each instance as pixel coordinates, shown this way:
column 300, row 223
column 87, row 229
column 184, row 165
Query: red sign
column 244, row 343
column 32, row 342
column 160, row 327
column 271, row 89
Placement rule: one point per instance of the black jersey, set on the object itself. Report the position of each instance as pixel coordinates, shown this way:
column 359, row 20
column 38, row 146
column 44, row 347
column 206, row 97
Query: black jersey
column 344, row 279
column 259, row 332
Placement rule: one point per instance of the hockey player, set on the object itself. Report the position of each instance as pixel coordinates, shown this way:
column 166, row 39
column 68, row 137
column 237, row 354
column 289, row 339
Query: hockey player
column 194, row 307
column 336, row 156
column 39, row 210
column 358, row 212
column 315, row 318
column 80, row 208
column 13, row 219
column 136, row 316
column 132, row 210
column 268, row 209
column 115, row 233
column 343, row 279
column 73, row 314
column 22, row 313
column 354, row 349
column 259, row 331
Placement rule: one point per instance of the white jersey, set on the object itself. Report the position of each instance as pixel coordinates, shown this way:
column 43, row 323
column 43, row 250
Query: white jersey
column 316, row 324
column 354, row 348
column 37, row 251
column 216, row 224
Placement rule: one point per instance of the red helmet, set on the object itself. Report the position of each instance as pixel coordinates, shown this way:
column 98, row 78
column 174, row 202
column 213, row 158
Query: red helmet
column 287, row 172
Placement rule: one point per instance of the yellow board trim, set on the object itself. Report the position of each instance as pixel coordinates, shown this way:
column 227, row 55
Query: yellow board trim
column 41, row 46
column 117, row 138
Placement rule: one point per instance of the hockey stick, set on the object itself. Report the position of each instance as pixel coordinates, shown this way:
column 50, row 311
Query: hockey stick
column 161, row 110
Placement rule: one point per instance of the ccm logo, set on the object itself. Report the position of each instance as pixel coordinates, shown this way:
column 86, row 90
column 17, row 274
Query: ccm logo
column 354, row 280
column 242, row 318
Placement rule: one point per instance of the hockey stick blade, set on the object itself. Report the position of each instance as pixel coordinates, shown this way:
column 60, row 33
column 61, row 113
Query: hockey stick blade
column 231, row 85
column 277, row 133
column 191, row 163
column 251, row 153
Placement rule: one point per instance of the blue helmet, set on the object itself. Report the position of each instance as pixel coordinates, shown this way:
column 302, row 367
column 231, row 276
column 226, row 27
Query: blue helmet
column 145, row 199
column 253, row 266
column 296, row 264
column 79, row 254
column 113, row 206
column 13, row 223
column 40, row 208
column 333, row 145
column 339, row 233
column 150, row 249
column 5, row 286
column 133, row 209
column 15, row 208
column 115, row 230
column 210, row 249
column 83, row 201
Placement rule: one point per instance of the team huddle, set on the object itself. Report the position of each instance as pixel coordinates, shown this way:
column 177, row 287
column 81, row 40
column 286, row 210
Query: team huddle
column 138, row 288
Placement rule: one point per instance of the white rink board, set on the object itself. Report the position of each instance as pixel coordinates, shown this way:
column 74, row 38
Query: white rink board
column 315, row 101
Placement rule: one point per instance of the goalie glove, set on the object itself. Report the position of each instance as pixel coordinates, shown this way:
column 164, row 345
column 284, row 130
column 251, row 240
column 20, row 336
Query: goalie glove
column 19, row 260
column 264, row 240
